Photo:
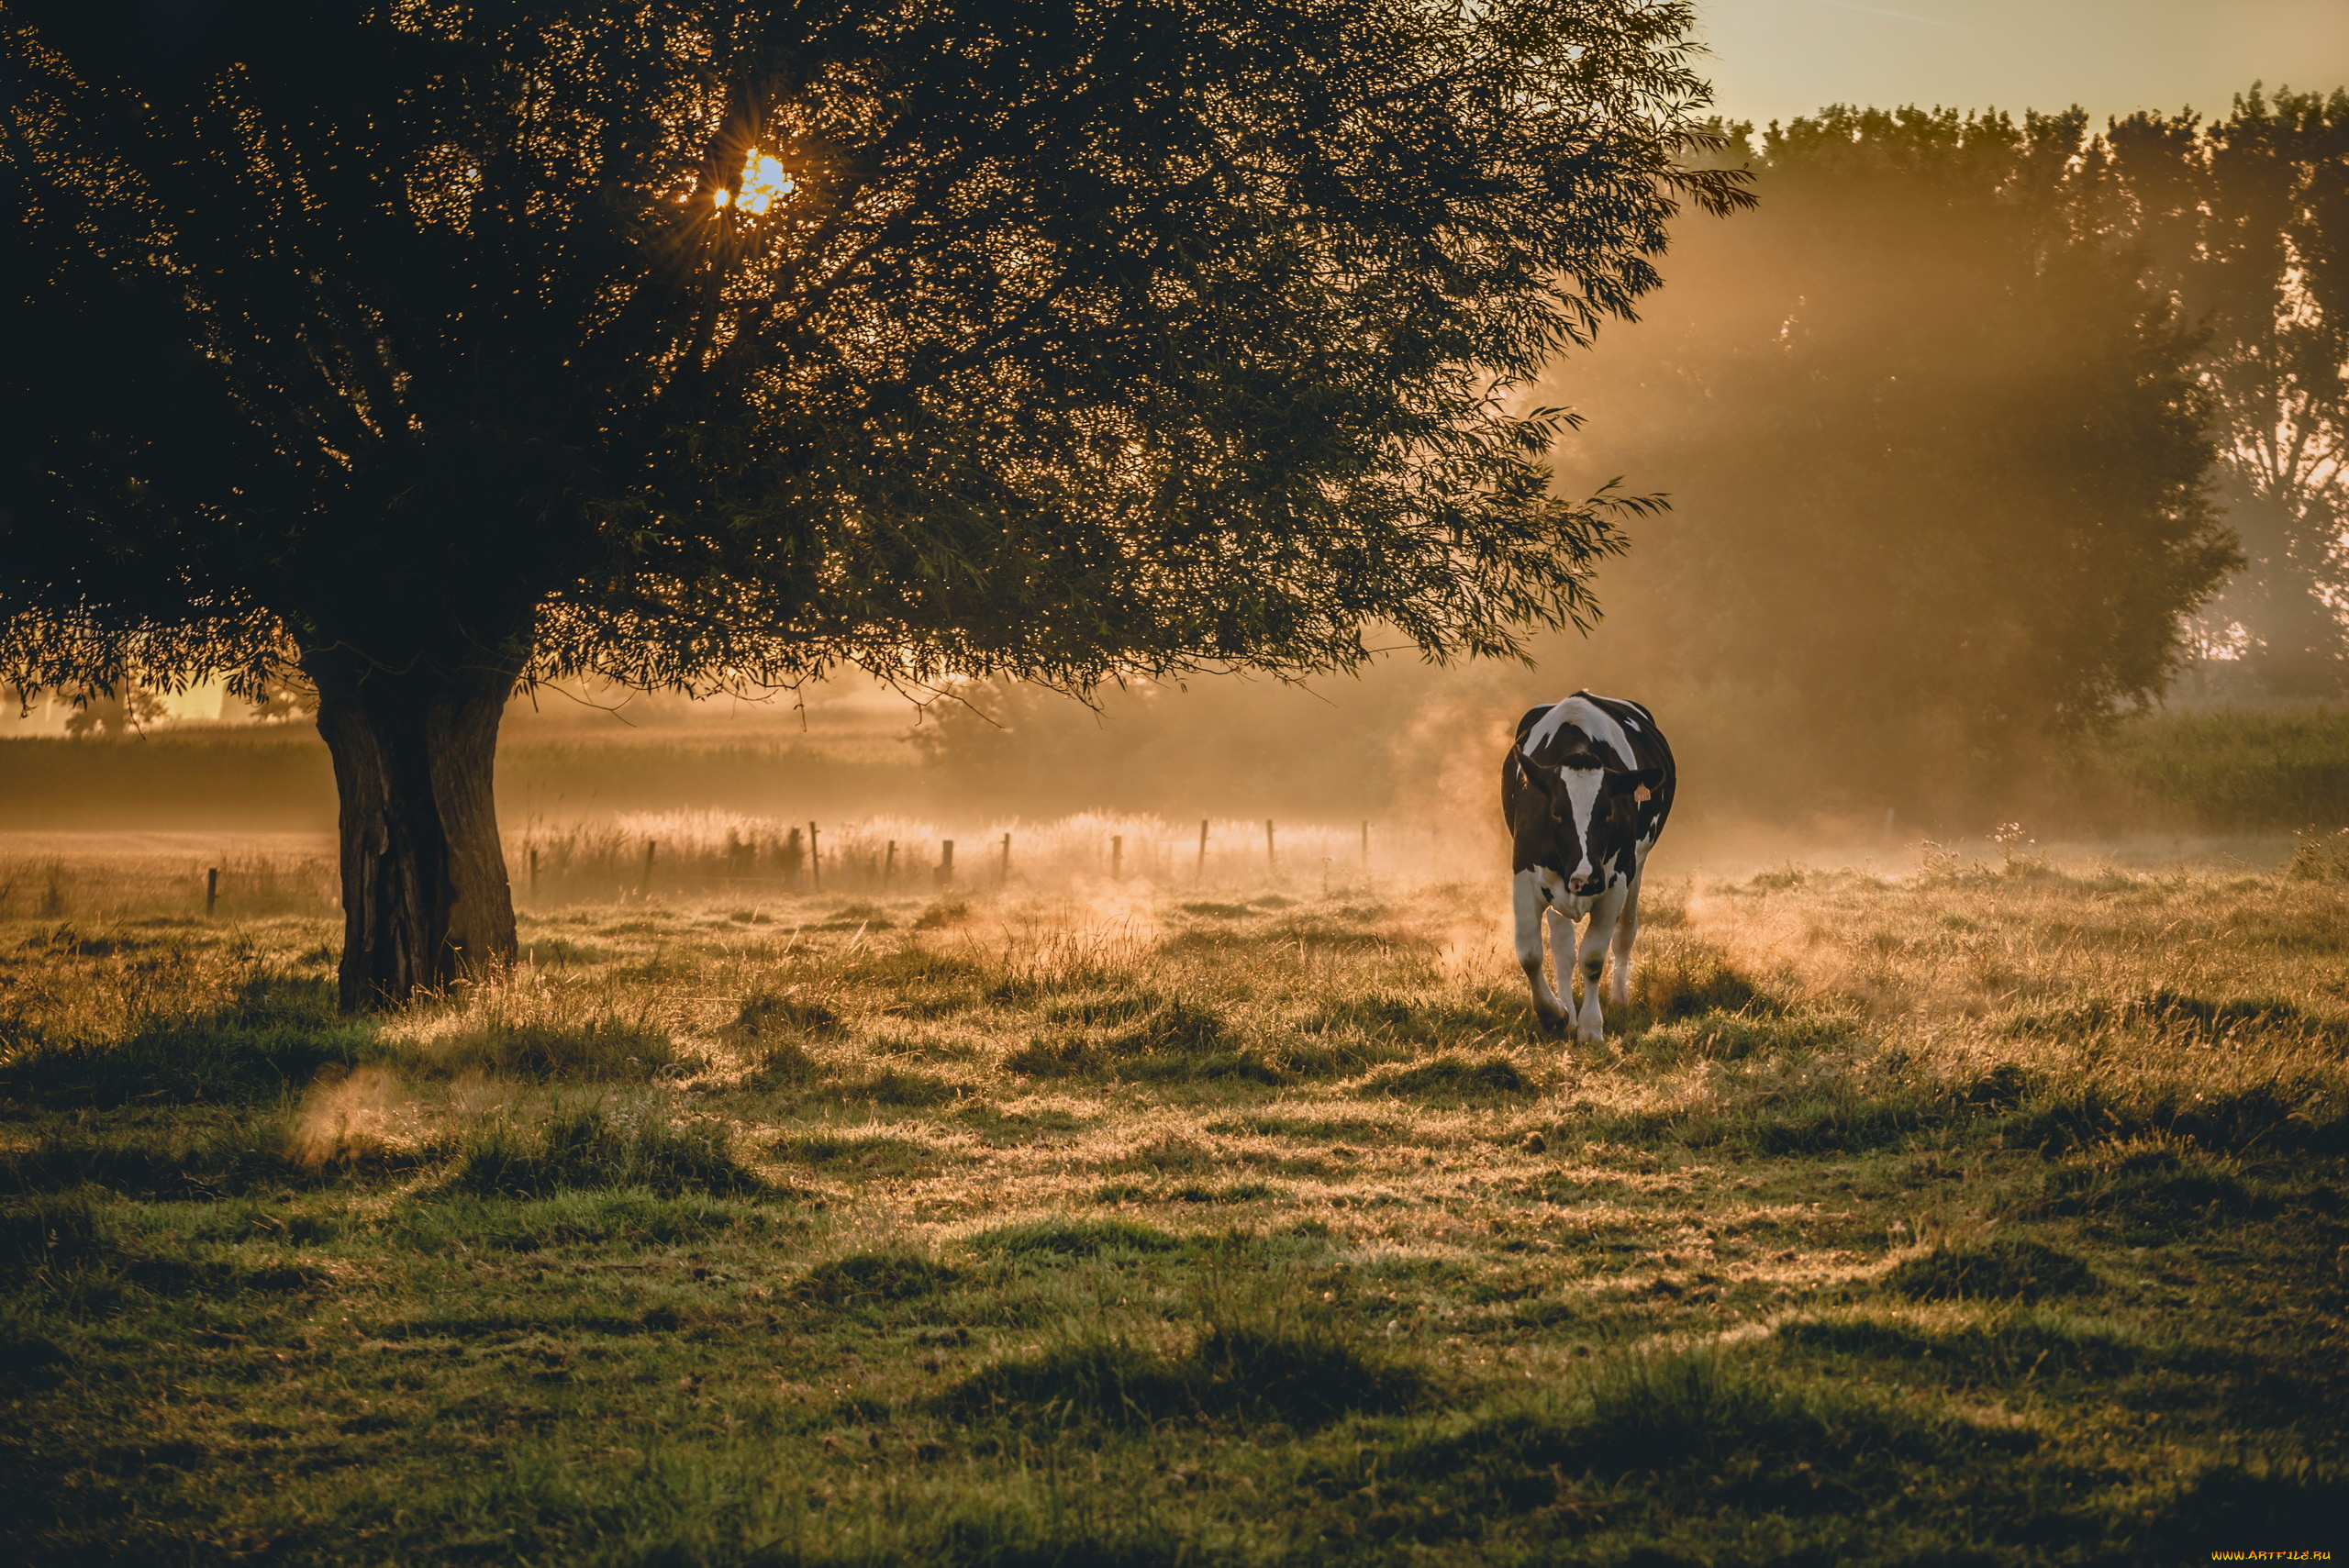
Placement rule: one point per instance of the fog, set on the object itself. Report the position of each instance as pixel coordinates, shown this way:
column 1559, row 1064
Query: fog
column 1949, row 502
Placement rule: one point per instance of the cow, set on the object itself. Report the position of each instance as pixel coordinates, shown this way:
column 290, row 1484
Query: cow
column 1586, row 788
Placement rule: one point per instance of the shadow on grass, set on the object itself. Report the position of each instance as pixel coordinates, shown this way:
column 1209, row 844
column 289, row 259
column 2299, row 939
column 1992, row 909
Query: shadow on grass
column 1168, row 1041
column 864, row 1278
column 1304, row 1369
column 873, row 1155
column 593, row 1150
column 2008, row 1345
column 2008, row 1269
column 1060, row 1239
column 1455, row 1078
column 272, row 1038
column 1689, row 1431
column 183, row 1164
column 600, row 1050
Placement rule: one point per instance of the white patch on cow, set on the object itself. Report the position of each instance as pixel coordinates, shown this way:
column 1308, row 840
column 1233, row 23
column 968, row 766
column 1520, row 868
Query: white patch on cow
column 1583, row 785
column 1591, row 720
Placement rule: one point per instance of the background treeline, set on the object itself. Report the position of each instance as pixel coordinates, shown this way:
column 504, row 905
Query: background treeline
column 1964, row 428
column 1982, row 437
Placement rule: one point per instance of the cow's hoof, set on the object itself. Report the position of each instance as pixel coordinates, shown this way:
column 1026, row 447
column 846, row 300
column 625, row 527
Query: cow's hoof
column 1591, row 1036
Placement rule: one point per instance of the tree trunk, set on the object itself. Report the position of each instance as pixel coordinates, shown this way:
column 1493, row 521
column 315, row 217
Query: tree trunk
column 425, row 899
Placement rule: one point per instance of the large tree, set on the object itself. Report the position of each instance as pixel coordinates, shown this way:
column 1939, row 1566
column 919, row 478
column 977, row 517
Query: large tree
column 437, row 348
column 1936, row 454
column 2245, row 221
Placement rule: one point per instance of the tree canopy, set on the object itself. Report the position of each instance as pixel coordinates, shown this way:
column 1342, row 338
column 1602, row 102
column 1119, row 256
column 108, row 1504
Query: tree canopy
column 1936, row 451
column 2245, row 222
column 438, row 346
column 732, row 340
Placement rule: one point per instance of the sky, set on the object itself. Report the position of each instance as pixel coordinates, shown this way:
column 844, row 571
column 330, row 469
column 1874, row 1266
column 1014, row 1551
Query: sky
column 1777, row 59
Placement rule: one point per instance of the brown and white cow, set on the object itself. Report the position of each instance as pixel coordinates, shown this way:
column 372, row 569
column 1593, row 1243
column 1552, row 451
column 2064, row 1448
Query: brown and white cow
column 1585, row 789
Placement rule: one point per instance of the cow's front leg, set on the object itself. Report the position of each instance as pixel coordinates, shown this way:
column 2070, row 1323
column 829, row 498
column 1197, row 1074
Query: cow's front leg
column 1591, row 959
column 1627, row 931
column 1529, row 907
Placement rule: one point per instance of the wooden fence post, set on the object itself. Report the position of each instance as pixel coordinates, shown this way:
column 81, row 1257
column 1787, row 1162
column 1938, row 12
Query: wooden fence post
column 211, row 890
column 815, row 863
column 1203, row 852
column 945, row 863
column 889, row 866
column 1005, row 876
column 1270, row 865
column 646, row 891
column 1117, row 857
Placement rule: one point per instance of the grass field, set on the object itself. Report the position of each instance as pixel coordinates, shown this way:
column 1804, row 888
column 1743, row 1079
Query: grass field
column 1985, row 1215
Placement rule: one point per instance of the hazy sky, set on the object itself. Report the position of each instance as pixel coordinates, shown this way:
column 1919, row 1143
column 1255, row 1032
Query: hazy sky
column 1776, row 59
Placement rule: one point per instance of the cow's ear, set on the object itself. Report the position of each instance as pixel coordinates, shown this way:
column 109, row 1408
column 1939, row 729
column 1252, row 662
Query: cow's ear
column 1637, row 782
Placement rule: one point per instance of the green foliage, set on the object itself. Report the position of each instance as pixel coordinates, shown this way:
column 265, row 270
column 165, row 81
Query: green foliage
column 2243, row 223
column 1100, row 347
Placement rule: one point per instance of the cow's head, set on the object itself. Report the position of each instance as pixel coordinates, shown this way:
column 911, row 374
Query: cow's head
column 1583, row 817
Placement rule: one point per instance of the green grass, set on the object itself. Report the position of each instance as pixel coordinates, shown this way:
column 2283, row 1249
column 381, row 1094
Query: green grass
column 1966, row 1219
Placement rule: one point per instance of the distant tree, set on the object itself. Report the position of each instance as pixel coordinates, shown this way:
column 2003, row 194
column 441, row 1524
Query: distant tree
column 111, row 713
column 1936, row 453
column 2246, row 222
column 436, row 348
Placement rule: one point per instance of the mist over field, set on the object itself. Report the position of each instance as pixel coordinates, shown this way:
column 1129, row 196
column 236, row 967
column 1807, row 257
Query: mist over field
column 753, row 809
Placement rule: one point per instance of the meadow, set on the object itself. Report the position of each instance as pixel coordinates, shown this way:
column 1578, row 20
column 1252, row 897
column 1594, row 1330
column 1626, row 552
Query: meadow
column 1990, row 1212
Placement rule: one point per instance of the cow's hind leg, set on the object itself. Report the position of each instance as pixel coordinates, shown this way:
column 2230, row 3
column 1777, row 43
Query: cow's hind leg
column 1627, row 931
column 1591, row 959
column 1529, row 907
